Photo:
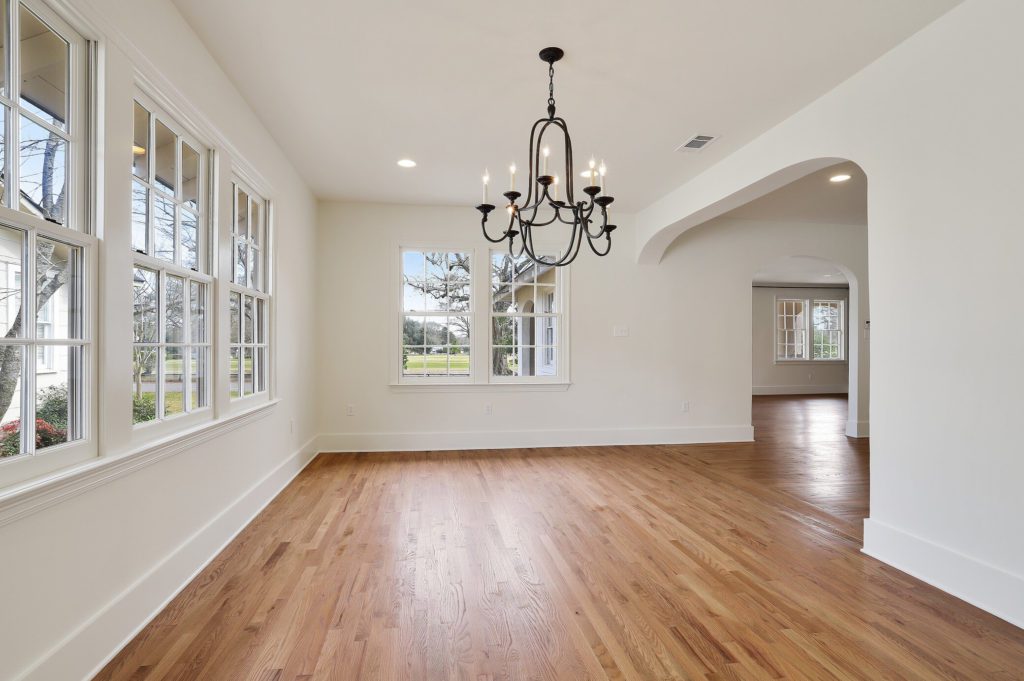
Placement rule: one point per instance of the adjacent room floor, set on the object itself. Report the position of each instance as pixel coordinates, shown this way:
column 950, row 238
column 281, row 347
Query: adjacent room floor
column 736, row 561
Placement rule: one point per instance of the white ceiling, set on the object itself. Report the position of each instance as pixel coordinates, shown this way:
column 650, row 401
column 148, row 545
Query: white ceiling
column 348, row 88
column 800, row 271
column 814, row 199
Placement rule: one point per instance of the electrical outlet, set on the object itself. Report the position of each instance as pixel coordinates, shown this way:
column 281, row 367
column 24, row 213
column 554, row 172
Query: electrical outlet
column 488, row 409
column 350, row 410
column 685, row 406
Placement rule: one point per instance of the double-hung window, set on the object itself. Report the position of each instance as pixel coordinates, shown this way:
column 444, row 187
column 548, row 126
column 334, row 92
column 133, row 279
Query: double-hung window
column 525, row 318
column 171, row 281
column 436, row 316
column 46, row 354
column 810, row 329
column 249, row 296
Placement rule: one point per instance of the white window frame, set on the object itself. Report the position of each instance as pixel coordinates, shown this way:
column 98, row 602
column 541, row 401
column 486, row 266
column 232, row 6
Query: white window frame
column 163, row 425
column 77, row 230
column 264, row 292
column 808, row 329
column 480, row 314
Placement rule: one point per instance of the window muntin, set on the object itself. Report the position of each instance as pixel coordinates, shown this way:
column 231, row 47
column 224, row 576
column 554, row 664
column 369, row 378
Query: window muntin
column 525, row 317
column 249, row 299
column 40, row 150
column 436, row 314
column 45, row 394
column 810, row 329
column 171, row 344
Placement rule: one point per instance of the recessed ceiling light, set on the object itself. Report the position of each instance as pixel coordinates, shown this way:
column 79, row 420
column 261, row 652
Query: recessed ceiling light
column 407, row 163
column 842, row 177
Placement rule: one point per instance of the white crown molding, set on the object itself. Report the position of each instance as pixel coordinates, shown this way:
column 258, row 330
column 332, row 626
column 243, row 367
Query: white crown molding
column 21, row 500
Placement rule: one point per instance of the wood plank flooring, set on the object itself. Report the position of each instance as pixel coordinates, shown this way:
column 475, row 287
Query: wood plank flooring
column 659, row 562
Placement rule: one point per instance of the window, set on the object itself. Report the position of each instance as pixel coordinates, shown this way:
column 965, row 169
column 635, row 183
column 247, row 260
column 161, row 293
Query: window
column 436, row 317
column 171, row 339
column 44, row 349
column 809, row 330
column 525, row 317
column 248, row 361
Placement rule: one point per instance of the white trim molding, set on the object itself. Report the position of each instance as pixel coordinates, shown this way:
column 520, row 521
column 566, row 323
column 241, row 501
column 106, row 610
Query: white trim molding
column 985, row 586
column 801, row 389
column 494, row 439
column 35, row 495
column 92, row 644
column 858, row 429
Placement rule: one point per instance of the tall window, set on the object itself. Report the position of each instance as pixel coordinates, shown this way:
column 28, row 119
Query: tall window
column 249, row 362
column 810, row 330
column 525, row 317
column 171, row 352
column 43, row 238
column 436, row 315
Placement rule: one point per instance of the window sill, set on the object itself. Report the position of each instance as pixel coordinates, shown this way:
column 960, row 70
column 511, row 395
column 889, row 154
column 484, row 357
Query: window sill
column 25, row 498
column 535, row 387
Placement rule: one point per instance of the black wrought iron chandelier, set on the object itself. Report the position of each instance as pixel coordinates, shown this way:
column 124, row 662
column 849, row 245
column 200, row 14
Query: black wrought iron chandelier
column 542, row 192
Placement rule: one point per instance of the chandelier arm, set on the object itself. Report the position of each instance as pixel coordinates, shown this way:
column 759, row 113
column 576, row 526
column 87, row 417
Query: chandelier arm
column 608, row 240
column 483, row 225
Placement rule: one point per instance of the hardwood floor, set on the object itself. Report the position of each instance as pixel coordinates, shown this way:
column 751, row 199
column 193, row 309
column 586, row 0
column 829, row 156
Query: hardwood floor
column 660, row 562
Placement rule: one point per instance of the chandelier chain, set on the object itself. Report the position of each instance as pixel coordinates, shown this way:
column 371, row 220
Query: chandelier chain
column 551, row 89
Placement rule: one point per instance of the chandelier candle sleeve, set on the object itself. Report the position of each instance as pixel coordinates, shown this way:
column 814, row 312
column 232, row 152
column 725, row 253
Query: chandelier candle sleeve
column 487, row 179
column 545, row 205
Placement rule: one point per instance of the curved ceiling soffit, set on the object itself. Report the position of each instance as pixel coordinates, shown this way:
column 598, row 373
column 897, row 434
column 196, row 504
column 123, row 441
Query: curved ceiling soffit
column 654, row 240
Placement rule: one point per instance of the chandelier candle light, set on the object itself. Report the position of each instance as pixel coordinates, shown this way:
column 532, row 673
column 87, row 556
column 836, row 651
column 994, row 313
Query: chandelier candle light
column 542, row 191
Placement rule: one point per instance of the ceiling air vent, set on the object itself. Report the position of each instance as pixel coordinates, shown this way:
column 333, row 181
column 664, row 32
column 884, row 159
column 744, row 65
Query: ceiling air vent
column 697, row 142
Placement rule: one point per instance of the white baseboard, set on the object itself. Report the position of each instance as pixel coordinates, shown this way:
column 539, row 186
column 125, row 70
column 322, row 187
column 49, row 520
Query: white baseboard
column 858, row 429
column 990, row 588
column 800, row 389
column 437, row 441
column 84, row 652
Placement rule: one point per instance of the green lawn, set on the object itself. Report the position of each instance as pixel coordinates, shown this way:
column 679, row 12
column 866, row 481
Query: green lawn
column 437, row 363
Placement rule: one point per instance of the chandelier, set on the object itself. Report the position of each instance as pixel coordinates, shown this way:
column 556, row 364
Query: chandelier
column 542, row 205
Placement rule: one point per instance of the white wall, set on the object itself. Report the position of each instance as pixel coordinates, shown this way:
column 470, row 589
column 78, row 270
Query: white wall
column 78, row 577
column 791, row 378
column 689, row 337
column 945, row 234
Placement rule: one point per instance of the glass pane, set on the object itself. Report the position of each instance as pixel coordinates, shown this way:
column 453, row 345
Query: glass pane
column 140, row 217
column 3, row 48
column 235, row 304
column 546, row 361
column 190, row 181
column 261, row 369
column 458, row 297
column 10, row 400
column 241, row 270
column 261, row 320
column 174, row 381
column 58, row 382
column 189, row 240
column 247, row 383
column 146, row 301
column 248, row 321
column 524, row 270
column 502, row 331
column 435, row 361
column 458, row 361
column 544, row 300
column 545, row 331
column 198, row 378
column 435, row 331
column 458, row 269
column 197, row 311
column 242, row 215
column 437, row 266
column 233, row 371
column 42, row 166
column 501, row 267
column 458, row 331
column 256, row 226
column 144, row 384
column 3, row 139
column 436, row 296
column 412, row 331
column 174, row 306
column 413, row 265
column 545, row 274
column 140, row 143
column 166, row 167
column 501, row 298
column 163, row 227
column 413, row 361
column 413, row 295
column 12, row 250
column 57, row 284
column 44, row 70
column 504, row 361
column 254, row 269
